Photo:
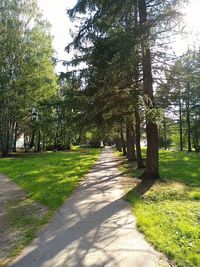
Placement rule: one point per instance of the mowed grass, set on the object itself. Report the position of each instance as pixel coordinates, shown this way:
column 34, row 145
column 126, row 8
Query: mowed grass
column 49, row 178
column 168, row 213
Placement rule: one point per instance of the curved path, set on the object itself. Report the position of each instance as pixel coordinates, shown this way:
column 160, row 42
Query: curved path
column 94, row 227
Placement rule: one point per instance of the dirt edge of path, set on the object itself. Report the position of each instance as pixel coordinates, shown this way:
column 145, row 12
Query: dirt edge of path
column 20, row 219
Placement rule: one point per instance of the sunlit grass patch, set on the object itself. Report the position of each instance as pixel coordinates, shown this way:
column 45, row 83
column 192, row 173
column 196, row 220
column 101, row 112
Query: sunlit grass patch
column 170, row 220
column 49, row 178
column 169, row 212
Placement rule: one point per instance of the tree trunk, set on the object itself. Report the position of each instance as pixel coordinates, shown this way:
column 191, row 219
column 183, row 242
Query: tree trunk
column 5, row 138
column 32, row 139
column 130, row 137
column 180, row 122
column 56, row 140
column 188, row 118
column 5, row 143
column 15, row 138
column 140, row 163
column 123, row 141
column 38, row 142
column 26, row 142
column 165, row 132
column 119, row 144
column 152, row 161
column 43, row 142
column 137, row 139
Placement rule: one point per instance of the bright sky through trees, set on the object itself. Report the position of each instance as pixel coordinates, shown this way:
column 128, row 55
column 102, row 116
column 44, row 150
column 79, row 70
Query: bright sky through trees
column 192, row 28
column 55, row 12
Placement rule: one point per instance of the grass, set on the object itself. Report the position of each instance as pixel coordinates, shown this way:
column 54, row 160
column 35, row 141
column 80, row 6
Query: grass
column 24, row 218
column 48, row 180
column 168, row 212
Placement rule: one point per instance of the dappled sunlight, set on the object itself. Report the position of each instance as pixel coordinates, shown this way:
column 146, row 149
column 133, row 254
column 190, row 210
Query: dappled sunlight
column 32, row 173
column 168, row 211
column 95, row 227
column 180, row 166
column 49, row 178
column 168, row 214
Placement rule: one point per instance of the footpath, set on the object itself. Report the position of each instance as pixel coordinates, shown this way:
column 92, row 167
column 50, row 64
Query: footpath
column 95, row 227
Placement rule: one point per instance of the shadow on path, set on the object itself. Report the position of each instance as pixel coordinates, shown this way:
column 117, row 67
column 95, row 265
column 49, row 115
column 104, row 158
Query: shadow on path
column 93, row 228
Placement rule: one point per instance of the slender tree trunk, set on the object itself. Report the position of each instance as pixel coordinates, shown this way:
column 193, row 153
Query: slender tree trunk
column 188, row 118
column 165, row 132
column 38, row 142
column 56, row 139
column 152, row 161
column 15, row 137
column 6, row 140
column 118, row 144
column 140, row 162
column 123, row 141
column 32, row 139
column 57, row 132
column 180, row 122
column 43, row 142
column 134, row 150
column 130, row 137
column 26, row 142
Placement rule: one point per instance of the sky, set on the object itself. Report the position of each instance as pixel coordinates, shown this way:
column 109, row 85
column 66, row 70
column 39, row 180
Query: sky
column 55, row 12
column 192, row 28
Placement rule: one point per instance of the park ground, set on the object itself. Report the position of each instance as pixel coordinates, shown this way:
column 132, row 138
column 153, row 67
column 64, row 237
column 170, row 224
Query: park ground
column 167, row 213
column 46, row 180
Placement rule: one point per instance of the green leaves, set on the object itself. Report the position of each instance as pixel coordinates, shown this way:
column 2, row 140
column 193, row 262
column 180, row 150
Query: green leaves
column 26, row 69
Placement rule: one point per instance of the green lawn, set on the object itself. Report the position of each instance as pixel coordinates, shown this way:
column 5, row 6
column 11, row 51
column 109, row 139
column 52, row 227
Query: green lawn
column 169, row 212
column 48, row 179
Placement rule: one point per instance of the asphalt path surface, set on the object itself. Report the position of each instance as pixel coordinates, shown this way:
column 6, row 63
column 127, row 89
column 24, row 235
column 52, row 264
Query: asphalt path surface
column 95, row 227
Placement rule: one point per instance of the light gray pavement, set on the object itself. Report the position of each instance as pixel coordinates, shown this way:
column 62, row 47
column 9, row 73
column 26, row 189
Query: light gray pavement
column 94, row 227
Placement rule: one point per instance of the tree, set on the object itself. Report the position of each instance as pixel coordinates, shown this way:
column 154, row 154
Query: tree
column 152, row 165
column 180, row 99
column 27, row 74
column 120, row 57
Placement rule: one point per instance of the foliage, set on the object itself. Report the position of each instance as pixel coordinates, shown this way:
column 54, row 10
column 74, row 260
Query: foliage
column 26, row 68
column 180, row 99
column 121, row 46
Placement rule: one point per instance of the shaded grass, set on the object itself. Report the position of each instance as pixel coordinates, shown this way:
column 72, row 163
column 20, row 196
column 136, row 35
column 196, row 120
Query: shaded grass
column 180, row 166
column 25, row 217
column 168, row 211
column 49, row 178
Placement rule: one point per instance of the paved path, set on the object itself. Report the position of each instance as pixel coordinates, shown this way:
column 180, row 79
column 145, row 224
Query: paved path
column 93, row 228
